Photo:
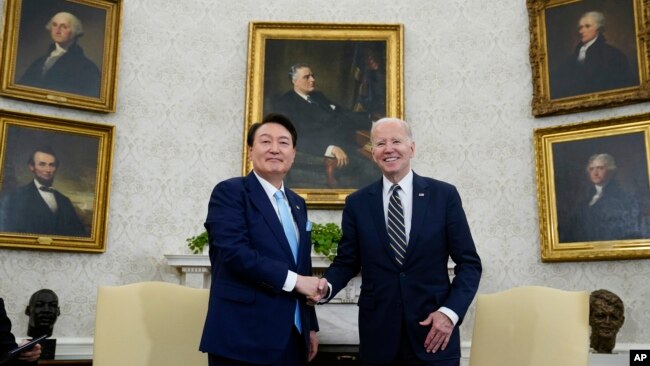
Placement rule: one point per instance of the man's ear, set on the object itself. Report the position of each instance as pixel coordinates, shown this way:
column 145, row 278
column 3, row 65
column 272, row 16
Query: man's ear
column 28, row 311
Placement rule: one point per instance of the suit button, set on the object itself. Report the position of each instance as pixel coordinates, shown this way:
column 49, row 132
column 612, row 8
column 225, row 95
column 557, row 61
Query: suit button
column 402, row 274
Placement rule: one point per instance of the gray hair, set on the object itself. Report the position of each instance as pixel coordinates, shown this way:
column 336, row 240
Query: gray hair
column 75, row 24
column 598, row 17
column 293, row 71
column 609, row 161
column 406, row 126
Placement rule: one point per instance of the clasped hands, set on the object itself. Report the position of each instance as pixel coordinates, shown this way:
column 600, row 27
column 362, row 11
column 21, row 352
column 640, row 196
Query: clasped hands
column 314, row 288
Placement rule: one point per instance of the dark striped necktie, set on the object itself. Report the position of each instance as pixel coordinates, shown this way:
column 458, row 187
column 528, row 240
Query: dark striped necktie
column 395, row 226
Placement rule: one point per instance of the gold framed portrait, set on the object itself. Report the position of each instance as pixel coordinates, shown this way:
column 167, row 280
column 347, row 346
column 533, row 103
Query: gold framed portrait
column 587, row 54
column 593, row 189
column 61, row 52
column 332, row 81
column 54, row 183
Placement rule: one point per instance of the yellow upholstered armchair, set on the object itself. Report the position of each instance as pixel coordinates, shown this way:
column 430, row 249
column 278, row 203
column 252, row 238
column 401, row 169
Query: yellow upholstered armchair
column 531, row 326
column 149, row 323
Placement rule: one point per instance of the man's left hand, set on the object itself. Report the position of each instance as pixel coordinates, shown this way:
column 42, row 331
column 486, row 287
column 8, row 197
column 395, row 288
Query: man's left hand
column 313, row 344
column 441, row 328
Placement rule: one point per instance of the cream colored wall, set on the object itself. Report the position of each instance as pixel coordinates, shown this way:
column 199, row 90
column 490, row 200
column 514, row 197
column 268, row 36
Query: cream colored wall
column 179, row 124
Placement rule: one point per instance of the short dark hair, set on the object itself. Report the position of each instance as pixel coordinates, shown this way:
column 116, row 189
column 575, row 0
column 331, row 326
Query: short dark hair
column 47, row 149
column 278, row 118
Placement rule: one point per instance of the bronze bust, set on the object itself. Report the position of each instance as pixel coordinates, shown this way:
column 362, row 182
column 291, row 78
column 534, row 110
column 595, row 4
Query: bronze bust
column 605, row 318
column 43, row 309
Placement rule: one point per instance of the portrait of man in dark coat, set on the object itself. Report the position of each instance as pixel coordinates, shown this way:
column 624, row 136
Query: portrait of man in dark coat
column 594, row 65
column 38, row 207
column 63, row 66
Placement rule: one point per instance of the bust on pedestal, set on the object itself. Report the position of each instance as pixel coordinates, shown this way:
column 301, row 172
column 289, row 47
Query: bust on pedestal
column 43, row 310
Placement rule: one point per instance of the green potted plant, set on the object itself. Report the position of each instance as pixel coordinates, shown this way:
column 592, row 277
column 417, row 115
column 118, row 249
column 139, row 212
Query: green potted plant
column 197, row 243
column 325, row 238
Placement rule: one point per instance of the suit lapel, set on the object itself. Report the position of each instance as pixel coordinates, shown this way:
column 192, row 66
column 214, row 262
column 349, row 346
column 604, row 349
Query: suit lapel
column 261, row 201
column 421, row 197
column 376, row 201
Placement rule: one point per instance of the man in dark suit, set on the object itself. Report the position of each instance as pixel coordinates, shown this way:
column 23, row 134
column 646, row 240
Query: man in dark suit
column 8, row 342
column 64, row 67
column 327, row 131
column 260, row 249
column 37, row 207
column 607, row 211
column 400, row 233
column 594, row 66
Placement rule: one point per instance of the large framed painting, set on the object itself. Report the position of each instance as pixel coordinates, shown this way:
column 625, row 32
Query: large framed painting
column 61, row 52
column 54, row 183
column 593, row 189
column 332, row 81
column 588, row 54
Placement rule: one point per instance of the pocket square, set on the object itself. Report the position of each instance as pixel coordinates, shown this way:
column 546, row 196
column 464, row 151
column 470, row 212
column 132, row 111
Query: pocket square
column 308, row 228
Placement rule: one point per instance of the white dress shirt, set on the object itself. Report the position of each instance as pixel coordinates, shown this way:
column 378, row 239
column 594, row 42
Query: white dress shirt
column 269, row 189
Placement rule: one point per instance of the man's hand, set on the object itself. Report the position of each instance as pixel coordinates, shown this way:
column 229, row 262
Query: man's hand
column 307, row 285
column 341, row 157
column 30, row 355
column 313, row 345
column 323, row 289
column 441, row 328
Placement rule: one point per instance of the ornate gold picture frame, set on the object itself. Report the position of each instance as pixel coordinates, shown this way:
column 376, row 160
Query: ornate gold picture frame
column 358, row 74
column 593, row 189
column 54, row 183
column 61, row 52
column 588, row 54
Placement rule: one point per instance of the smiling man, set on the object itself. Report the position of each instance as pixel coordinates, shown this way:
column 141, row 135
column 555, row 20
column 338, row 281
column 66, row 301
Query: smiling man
column 64, row 67
column 38, row 207
column 260, row 251
column 594, row 66
column 400, row 232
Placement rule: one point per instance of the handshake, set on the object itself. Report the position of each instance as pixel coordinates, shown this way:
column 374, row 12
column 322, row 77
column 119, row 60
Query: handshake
column 314, row 288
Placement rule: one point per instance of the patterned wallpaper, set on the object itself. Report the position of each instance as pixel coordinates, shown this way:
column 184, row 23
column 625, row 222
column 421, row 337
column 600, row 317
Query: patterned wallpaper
column 179, row 124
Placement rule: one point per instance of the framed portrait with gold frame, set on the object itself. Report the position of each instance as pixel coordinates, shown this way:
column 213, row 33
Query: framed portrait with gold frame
column 54, row 183
column 588, row 54
column 332, row 81
column 61, row 52
column 593, row 189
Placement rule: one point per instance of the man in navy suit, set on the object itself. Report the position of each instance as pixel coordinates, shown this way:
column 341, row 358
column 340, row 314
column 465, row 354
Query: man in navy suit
column 400, row 233
column 37, row 207
column 260, row 249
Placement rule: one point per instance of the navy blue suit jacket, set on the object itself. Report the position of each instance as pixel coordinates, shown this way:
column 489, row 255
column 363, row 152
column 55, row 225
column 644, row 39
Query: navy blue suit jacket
column 392, row 294
column 249, row 316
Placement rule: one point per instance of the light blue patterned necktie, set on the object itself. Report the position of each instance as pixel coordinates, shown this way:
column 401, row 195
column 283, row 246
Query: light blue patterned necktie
column 290, row 233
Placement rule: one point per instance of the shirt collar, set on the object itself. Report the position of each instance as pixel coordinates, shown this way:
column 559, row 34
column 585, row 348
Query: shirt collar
column 269, row 188
column 39, row 185
column 406, row 184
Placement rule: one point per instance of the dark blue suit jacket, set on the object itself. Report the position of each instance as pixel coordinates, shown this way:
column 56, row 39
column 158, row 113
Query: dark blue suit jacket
column 390, row 294
column 249, row 316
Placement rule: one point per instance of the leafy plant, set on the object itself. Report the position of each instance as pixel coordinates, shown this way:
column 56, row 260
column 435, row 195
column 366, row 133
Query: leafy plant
column 197, row 243
column 325, row 238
